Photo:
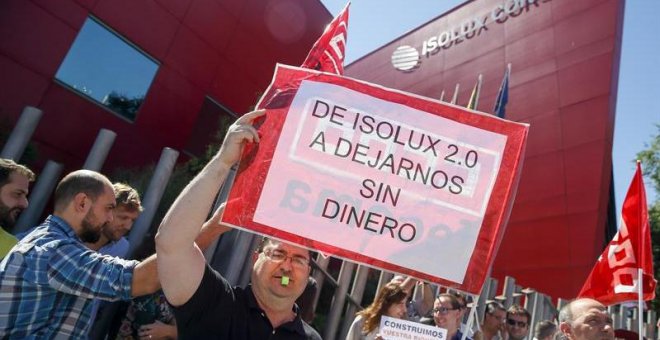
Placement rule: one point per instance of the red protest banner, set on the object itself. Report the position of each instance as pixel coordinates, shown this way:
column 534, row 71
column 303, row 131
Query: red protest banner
column 615, row 276
column 327, row 54
column 379, row 176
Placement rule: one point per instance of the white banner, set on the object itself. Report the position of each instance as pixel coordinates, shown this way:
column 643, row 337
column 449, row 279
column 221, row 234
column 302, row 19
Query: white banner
column 397, row 329
column 379, row 178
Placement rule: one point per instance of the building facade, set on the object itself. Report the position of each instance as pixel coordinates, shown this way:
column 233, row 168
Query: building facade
column 564, row 58
column 166, row 73
column 158, row 73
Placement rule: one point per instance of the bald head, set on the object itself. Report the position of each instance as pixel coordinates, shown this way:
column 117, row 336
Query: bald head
column 585, row 319
column 91, row 183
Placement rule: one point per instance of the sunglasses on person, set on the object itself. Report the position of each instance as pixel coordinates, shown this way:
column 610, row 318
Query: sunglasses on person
column 443, row 310
column 512, row 322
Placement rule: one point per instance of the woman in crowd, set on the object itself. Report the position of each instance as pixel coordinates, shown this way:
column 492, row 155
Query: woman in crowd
column 390, row 301
column 148, row 317
column 447, row 314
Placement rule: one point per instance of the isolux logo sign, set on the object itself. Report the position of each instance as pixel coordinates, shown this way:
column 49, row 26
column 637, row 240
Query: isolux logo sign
column 408, row 58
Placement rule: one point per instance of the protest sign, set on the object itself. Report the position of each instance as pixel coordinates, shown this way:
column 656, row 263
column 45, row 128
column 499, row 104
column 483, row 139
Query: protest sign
column 397, row 329
column 379, row 176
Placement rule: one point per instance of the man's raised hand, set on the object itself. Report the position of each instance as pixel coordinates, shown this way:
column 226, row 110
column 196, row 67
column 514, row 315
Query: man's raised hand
column 241, row 131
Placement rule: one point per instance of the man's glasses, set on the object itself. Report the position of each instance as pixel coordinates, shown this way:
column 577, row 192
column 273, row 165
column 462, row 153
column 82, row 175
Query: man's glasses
column 443, row 310
column 512, row 322
column 279, row 256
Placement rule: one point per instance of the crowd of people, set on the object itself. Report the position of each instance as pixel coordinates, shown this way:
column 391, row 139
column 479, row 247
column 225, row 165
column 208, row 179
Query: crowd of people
column 58, row 276
column 581, row 319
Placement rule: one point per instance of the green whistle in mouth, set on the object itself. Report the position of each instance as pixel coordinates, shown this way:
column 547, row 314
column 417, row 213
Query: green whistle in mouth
column 285, row 280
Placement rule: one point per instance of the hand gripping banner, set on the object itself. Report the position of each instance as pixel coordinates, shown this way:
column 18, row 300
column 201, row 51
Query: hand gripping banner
column 378, row 176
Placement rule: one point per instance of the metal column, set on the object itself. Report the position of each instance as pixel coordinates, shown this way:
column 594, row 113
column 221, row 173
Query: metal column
column 152, row 198
column 337, row 306
column 222, row 197
column 385, row 278
column 487, row 293
column 21, row 134
column 508, row 291
column 322, row 263
column 357, row 292
column 99, row 151
column 240, row 253
column 40, row 195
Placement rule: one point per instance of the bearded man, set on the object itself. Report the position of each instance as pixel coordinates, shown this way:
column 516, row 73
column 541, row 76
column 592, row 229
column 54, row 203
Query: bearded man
column 49, row 280
column 14, row 184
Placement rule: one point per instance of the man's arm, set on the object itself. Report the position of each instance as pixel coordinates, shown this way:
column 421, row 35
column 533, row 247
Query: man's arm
column 145, row 277
column 408, row 285
column 426, row 302
column 212, row 229
column 180, row 262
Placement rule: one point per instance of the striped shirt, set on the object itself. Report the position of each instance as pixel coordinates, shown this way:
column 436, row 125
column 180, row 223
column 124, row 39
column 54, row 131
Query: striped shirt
column 49, row 280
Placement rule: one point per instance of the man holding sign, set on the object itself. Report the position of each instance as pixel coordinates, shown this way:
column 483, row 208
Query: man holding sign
column 379, row 177
column 206, row 306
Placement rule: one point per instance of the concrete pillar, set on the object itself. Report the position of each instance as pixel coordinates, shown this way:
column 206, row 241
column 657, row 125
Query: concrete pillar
column 550, row 311
column 622, row 317
column 385, row 278
column 321, row 262
column 471, row 316
column 487, row 293
column 237, row 252
column 542, row 307
column 651, row 332
column 337, row 306
column 632, row 321
column 532, row 306
column 99, row 151
column 509, row 290
column 357, row 292
column 561, row 303
column 152, row 198
column 240, row 251
column 21, row 134
column 222, row 197
column 518, row 295
column 614, row 313
column 246, row 274
column 41, row 192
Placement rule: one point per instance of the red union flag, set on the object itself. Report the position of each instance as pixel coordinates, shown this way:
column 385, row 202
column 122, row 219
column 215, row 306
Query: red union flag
column 380, row 177
column 614, row 278
column 327, row 54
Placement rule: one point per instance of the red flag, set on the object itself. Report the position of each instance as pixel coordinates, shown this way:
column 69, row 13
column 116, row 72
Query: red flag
column 614, row 278
column 327, row 54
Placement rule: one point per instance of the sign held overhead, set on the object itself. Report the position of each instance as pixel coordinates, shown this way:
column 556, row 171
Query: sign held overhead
column 378, row 176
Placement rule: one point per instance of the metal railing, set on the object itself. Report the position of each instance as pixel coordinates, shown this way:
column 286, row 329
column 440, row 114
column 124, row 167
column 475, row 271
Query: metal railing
column 230, row 255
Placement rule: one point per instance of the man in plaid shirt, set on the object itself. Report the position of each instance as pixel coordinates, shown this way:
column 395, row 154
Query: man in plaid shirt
column 49, row 280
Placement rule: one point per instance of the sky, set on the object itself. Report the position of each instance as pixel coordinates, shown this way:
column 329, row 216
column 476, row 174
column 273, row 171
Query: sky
column 374, row 23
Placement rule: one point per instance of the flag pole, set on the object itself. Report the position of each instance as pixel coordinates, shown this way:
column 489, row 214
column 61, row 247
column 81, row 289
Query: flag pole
column 640, row 292
column 471, row 316
column 453, row 99
column 476, row 99
column 640, row 270
column 503, row 94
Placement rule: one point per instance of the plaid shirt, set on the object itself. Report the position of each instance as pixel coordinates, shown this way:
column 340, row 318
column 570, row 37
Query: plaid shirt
column 49, row 280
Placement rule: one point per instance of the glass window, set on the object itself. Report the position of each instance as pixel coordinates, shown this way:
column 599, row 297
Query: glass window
column 210, row 128
column 107, row 69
